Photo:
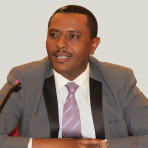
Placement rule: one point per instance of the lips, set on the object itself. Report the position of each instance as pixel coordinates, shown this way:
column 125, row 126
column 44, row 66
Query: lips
column 62, row 57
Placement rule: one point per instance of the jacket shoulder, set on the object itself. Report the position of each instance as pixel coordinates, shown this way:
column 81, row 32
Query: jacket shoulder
column 108, row 68
column 32, row 70
column 32, row 66
column 110, row 74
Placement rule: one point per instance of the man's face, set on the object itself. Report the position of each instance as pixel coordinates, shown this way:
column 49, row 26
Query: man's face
column 69, row 44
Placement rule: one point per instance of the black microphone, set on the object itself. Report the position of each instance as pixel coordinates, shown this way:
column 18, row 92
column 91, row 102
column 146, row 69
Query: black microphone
column 14, row 88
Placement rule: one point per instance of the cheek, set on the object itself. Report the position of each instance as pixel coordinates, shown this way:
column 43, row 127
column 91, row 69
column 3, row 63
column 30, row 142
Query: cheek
column 50, row 47
column 81, row 59
column 83, row 52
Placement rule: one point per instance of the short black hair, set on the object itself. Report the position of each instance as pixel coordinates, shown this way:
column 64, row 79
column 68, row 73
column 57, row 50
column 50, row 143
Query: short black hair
column 92, row 22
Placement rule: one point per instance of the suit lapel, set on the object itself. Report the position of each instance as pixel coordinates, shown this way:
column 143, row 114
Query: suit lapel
column 96, row 107
column 50, row 97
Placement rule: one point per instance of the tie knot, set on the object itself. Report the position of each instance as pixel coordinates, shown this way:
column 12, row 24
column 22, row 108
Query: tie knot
column 71, row 87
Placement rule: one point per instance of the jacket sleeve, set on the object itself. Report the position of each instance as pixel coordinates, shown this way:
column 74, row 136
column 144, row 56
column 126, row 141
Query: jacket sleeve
column 135, row 108
column 11, row 114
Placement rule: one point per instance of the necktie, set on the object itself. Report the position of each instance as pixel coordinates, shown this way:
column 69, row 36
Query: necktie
column 71, row 123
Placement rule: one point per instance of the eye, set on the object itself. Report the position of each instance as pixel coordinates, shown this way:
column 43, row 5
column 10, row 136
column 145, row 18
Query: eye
column 53, row 35
column 74, row 36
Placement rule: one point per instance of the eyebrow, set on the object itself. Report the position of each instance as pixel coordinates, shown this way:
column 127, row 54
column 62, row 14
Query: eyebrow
column 53, row 30
column 71, row 31
column 74, row 31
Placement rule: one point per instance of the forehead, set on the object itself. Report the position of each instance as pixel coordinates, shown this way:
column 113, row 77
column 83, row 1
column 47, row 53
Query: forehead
column 71, row 20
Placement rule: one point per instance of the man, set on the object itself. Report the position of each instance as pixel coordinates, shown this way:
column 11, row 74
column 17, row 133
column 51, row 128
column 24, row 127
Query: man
column 108, row 104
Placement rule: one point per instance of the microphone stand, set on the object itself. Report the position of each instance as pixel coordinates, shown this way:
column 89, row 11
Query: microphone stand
column 14, row 88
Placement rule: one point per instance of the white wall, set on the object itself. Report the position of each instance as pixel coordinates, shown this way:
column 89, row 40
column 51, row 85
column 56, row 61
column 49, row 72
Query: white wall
column 123, row 29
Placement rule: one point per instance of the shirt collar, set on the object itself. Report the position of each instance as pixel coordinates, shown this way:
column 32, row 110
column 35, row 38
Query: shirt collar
column 82, row 80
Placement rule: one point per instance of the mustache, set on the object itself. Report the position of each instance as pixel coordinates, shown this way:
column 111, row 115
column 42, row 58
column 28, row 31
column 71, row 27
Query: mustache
column 63, row 51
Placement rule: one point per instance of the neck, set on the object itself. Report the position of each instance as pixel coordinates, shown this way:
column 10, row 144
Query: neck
column 74, row 75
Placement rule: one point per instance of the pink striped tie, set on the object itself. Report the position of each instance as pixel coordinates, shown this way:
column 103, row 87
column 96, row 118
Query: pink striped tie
column 71, row 124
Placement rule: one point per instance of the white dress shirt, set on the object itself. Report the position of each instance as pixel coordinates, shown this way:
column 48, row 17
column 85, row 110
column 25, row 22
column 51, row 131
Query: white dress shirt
column 82, row 96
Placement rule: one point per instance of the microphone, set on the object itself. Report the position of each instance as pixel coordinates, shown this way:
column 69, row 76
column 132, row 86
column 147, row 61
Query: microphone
column 14, row 88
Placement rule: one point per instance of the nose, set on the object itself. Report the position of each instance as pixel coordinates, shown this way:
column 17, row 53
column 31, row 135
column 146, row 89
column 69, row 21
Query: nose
column 62, row 43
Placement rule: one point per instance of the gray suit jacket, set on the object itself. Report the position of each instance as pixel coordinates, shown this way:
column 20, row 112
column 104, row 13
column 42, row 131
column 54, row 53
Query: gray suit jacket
column 125, row 108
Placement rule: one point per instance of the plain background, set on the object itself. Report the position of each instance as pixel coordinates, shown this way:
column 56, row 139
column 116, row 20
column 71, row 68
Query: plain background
column 122, row 24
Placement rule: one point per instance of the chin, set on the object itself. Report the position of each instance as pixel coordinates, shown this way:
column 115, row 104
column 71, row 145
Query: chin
column 61, row 70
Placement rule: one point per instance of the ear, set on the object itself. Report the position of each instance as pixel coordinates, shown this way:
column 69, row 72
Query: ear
column 95, row 43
